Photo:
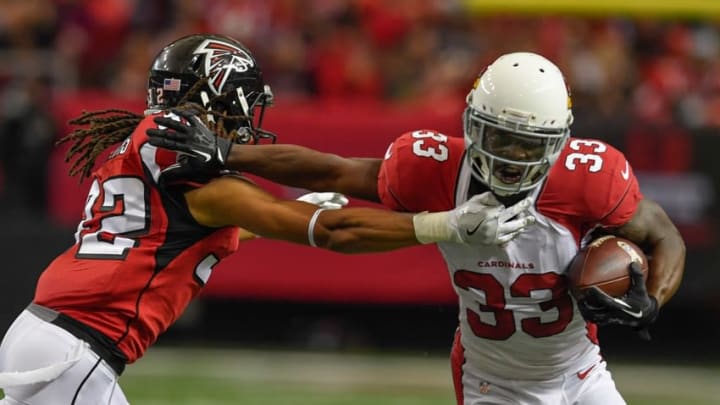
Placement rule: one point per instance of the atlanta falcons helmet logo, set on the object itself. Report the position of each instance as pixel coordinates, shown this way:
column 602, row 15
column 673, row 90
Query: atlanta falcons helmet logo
column 221, row 58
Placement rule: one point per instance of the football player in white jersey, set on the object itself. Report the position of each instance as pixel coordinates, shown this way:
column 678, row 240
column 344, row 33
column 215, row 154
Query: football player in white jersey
column 147, row 243
column 522, row 338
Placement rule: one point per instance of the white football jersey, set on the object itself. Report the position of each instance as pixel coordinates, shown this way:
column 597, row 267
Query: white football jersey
column 517, row 318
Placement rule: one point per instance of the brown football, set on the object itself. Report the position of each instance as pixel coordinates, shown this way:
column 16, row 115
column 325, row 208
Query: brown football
column 605, row 263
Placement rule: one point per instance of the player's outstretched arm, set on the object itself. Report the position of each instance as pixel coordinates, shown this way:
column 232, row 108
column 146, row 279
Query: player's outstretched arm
column 291, row 165
column 651, row 228
column 326, row 200
column 298, row 166
column 232, row 201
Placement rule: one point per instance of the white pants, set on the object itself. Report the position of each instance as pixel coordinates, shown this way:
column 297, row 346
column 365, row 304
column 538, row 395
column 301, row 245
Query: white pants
column 55, row 367
column 592, row 386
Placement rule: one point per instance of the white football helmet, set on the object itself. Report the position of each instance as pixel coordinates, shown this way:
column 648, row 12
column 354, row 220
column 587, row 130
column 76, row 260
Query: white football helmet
column 516, row 122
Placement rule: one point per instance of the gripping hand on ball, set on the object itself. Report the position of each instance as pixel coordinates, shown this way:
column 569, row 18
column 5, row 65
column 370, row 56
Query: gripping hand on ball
column 636, row 309
column 189, row 136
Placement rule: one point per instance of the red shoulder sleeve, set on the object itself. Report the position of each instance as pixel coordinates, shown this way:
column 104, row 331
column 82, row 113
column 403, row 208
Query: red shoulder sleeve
column 591, row 184
column 420, row 171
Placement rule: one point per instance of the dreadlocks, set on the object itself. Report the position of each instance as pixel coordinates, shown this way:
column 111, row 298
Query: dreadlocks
column 106, row 128
column 109, row 127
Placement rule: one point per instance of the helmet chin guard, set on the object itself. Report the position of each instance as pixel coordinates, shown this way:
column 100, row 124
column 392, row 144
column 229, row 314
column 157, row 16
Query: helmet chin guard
column 516, row 122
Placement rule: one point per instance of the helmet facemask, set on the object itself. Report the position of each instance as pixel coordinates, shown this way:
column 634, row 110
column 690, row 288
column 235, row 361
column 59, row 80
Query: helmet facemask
column 239, row 115
column 510, row 158
column 516, row 122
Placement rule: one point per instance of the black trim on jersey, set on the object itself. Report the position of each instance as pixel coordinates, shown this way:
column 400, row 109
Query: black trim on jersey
column 182, row 229
column 181, row 225
column 102, row 345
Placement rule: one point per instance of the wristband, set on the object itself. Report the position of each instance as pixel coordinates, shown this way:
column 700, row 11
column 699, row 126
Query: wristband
column 431, row 227
column 311, row 227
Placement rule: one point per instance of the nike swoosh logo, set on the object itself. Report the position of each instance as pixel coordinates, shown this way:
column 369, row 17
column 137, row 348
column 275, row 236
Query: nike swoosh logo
column 388, row 152
column 626, row 173
column 625, row 307
column 582, row 374
column 637, row 314
column 471, row 232
column 204, row 155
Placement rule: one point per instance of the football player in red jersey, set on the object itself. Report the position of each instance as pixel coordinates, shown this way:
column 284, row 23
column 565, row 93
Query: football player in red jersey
column 522, row 338
column 148, row 242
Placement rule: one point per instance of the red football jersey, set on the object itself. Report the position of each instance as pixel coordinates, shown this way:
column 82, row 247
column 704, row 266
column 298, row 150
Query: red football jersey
column 517, row 319
column 591, row 184
column 139, row 256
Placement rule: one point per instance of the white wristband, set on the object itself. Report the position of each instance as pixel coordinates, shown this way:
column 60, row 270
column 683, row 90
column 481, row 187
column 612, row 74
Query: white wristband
column 431, row 227
column 311, row 227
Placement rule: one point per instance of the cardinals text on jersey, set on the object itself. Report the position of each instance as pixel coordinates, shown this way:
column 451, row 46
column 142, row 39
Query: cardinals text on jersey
column 516, row 316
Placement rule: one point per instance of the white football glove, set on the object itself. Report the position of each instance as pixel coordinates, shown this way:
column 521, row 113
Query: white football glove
column 483, row 219
column 326, row 200
column 480, row 220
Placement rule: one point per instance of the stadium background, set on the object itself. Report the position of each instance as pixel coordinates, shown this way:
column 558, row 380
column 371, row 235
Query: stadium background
column 350, row 76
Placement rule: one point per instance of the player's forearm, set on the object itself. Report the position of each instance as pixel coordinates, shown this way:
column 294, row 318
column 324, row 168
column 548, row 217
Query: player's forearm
column 652, row 228
column 667, row 263
column 297, row 166
column 667, row 267
column 358, row 230
column 287, row 164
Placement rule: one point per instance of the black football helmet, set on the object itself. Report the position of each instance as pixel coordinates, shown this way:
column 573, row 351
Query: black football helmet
column 232, row 81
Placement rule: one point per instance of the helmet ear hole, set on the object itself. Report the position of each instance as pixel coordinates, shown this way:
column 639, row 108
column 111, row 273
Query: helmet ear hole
column 196, row 64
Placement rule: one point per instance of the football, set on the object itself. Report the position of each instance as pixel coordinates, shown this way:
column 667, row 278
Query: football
column 605, row 263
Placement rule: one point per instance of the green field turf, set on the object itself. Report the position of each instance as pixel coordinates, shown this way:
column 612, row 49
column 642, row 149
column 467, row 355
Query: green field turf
column 186, row 376
column 199, row 377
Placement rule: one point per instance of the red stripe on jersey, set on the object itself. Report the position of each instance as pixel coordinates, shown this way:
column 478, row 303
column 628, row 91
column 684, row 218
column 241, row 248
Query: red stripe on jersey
column 457, row 360
column 592, row 332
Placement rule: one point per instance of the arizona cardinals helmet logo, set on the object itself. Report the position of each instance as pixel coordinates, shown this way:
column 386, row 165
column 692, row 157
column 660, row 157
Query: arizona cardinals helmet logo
column 221, row 58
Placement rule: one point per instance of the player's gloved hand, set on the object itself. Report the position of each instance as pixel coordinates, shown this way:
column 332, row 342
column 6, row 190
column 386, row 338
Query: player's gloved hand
column 636, row 309
column 206, row 151
column 480, row 220
column 327, row 200
column 484, row 220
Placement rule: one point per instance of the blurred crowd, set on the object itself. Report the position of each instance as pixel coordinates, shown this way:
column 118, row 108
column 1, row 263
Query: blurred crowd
column 656, row 72
column 378, row 49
